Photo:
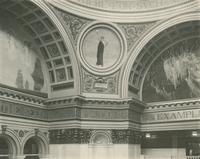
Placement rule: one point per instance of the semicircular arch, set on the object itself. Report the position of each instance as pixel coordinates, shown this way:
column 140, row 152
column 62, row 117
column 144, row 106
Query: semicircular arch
column 12, row 140
column 40, row 138
column 144, row 40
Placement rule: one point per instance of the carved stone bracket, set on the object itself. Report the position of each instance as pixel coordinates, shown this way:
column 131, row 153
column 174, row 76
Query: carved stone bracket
column 36, row 132
column 3, row 128
column 9, row 93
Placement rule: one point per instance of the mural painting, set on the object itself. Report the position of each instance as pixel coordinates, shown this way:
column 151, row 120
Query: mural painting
column 175, row 74
column 37, row 76
column 27, row 72
column 101, row 47
column 19, row 79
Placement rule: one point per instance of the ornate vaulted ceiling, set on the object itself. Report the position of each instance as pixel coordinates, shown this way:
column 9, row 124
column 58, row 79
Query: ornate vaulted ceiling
column 49, row 40
column 59, row 29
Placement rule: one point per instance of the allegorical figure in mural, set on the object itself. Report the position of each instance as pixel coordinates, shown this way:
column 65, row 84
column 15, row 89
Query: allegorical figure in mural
column 100, row 51
column 38, row 76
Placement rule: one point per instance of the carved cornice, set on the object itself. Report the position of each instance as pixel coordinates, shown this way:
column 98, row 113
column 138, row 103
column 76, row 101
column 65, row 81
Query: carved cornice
column 183, row 114
column 22, row 103
column 19, row 95
column 17, row 104
column 188, row 103
column 79, row 108
column 69, row 101
column 185, row 125
column 82, row 101
column 101, row 113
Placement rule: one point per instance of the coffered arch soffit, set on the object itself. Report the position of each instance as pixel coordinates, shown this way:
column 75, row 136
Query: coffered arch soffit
column 53, row 41
column 152, row 44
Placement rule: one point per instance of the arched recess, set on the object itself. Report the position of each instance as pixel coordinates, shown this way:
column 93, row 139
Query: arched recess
column 66, row 40
column 53, row 42
column 40, row 139
column 101, row 138
column 12, row 140
column 134, row 62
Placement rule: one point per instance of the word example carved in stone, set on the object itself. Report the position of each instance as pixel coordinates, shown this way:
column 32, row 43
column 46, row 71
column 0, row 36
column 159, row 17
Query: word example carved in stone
column 172, row 116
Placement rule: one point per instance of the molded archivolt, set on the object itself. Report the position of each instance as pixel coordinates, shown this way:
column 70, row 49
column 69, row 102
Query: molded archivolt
column 13, row 141
column 124, row 6
column 154, row 43
column 101, row 137
column 17, row 143
column 41, row 140
column 52, row 41
column 136, row 11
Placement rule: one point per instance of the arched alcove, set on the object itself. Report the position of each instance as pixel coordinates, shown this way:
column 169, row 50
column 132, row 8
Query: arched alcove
column 35, row 144
column 101, row 145
column 9, row 145
column 32, row 149
column 157, row 40
column 101, row 138
column 55, row 61
column 174, row 74
column 22, row 66
column 4, row 149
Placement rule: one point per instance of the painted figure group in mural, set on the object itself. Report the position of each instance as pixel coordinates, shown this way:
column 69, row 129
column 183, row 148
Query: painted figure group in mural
column 100, row 51
column 175, row 75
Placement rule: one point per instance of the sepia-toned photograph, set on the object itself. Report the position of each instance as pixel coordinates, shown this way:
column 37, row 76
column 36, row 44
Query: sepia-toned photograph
column 99, row 79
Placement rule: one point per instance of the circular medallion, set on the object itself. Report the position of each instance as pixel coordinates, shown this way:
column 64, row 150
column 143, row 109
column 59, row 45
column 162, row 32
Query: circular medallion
column 21, row 133
column 101, row 48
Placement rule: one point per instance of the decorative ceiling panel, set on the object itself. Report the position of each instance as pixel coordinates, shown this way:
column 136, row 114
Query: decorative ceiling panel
column 134, row 31
column 74, row 23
